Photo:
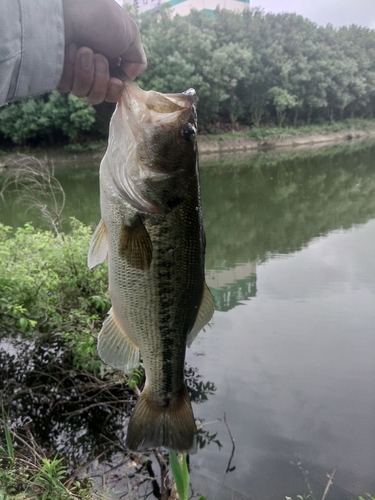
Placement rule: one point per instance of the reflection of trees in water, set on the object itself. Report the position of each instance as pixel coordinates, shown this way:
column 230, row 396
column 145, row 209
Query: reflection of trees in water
column 264, row 206
column 82, row 416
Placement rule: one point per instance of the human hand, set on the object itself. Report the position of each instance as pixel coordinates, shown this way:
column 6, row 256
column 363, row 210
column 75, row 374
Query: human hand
column 98, row 33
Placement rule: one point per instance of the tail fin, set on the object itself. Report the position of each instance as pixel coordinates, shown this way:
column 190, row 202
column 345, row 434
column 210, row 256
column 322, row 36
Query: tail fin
column 153, row 425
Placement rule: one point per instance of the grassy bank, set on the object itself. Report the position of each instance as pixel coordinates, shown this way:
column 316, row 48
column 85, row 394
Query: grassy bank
column 350, row 125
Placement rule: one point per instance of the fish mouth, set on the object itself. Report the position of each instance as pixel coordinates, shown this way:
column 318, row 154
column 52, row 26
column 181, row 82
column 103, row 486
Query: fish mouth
column 176, row 106
column 156, row 109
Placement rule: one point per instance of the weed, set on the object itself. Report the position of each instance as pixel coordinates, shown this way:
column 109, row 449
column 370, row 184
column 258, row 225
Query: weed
column 50, row 476
column 311, row 495
column 24, row 478
column 46, row 286
column 180, row 473
column 134, row 378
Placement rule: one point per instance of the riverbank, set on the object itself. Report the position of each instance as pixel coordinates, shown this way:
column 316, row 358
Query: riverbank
column 216, row 147
column 241, row 148
column 286, row 139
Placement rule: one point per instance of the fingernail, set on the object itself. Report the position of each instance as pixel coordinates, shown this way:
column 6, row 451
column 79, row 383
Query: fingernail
column 72, row 52
column 86, row 60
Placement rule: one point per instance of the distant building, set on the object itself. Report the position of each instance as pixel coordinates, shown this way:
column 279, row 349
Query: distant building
column 183, row 7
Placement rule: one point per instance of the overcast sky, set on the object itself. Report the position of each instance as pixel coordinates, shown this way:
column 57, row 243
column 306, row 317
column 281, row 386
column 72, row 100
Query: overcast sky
column 336, row 12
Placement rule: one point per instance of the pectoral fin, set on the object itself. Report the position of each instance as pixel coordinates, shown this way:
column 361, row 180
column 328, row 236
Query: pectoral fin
column 114, row 346
column 98, row 246
column 206, row 310
column 135, row 244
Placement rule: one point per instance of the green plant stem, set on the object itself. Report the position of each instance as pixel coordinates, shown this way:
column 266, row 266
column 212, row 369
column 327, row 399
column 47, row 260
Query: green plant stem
column 180, row 473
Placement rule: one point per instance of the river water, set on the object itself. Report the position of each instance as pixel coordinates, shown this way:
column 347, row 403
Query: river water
column 291, row 348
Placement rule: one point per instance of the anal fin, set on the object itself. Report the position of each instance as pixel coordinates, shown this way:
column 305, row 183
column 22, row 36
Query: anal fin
column 98, row 246
column 135, row 244
column 205, row 313
column 115, row 347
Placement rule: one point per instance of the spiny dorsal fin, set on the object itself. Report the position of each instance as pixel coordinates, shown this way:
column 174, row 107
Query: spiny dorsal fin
column 115, row 347
column 135, row 244
column 206, row 310
column 98, row 246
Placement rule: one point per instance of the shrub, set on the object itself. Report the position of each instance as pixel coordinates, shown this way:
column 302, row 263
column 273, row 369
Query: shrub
column 46, row 118
column 46, row 287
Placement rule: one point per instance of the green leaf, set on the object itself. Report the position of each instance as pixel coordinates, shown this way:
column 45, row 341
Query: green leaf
column 180, row 473
column 23, row 323
column 8, row 437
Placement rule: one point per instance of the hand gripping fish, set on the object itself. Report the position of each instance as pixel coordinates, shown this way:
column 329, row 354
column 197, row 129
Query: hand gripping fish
column 152, row 235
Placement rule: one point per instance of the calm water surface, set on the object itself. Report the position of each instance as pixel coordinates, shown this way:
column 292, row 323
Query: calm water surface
column 291, row 349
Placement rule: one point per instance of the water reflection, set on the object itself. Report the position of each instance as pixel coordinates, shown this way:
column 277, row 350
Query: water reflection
column 231, row 285
column 276, row 206
column 294, row 366
column 295, row 370
column 252, row 208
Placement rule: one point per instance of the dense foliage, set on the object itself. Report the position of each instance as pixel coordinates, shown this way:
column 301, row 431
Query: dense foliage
column 248, row 69
column 50, row 118
column 262, row 68
column 46, row 287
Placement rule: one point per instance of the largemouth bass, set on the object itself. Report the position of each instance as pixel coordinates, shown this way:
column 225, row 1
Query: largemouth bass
column 152, row 235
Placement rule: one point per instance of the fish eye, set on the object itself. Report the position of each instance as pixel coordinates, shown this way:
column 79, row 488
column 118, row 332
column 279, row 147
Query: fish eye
column 189, row 133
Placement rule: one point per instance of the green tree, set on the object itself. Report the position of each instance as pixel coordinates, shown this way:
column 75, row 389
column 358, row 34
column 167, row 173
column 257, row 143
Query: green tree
column 282, row 101
column 230, row 62
column 49, row 118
